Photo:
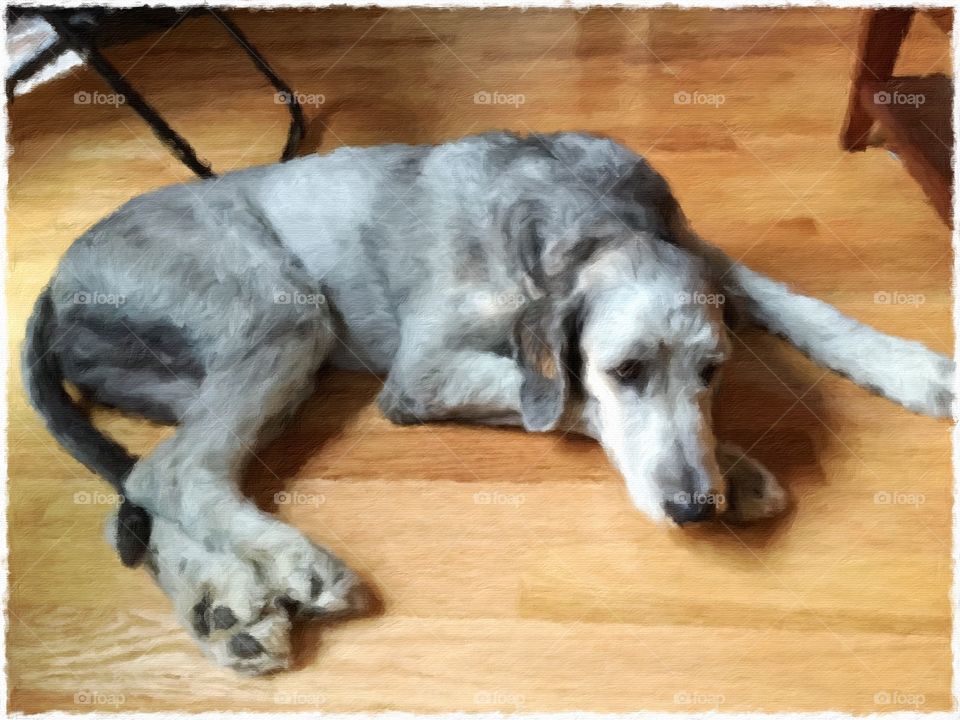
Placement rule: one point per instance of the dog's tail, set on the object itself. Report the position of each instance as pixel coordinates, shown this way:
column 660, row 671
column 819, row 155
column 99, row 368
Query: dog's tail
column 73, row 429
column 904, row 371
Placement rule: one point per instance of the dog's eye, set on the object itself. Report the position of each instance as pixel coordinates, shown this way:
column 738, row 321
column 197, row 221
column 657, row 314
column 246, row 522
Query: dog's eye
column 706, row 375
column 630, row 371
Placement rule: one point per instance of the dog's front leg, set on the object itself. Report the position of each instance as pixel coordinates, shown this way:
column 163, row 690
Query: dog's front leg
column 469, row 385
column 483, row 387
column 754, row 493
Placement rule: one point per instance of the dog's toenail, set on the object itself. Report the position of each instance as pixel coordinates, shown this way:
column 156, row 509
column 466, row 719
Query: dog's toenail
column 224, row 618
column 245, row 646
column 316, row 585
column 201, row 624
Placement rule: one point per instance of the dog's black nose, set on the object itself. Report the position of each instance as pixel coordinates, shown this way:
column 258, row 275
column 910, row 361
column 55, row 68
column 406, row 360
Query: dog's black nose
column 688, row 508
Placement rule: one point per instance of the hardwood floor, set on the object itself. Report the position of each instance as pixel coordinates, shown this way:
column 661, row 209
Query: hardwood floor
column 513, row 571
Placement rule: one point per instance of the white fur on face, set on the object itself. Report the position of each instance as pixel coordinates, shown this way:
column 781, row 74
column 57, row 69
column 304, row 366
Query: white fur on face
column 656, row 428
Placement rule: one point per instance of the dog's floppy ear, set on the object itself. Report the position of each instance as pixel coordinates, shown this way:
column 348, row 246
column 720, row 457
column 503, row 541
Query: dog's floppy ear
column 547, row 246
column 522, row 226
column 542, row 335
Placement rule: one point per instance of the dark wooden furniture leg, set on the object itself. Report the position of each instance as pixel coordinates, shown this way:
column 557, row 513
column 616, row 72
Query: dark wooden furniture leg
column 883, row 33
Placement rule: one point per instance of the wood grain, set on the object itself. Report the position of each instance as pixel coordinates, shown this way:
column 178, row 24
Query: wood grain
column 513, row 571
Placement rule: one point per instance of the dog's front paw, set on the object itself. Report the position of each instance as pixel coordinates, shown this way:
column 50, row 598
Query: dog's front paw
column 399, row 408
column 753, row 493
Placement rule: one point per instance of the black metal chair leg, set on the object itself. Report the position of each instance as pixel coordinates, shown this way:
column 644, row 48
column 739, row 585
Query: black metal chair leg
column 167, row 135
column 297, row 127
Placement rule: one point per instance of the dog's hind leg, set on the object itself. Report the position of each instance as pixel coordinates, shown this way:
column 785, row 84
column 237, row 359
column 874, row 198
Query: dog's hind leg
column 901, row 370
column 249, row 387
column 255, row 377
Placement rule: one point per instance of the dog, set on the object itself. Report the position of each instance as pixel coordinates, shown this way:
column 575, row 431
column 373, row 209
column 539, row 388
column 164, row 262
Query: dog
column 546, row 281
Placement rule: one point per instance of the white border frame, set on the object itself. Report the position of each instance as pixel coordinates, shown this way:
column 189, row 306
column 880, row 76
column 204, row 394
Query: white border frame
column 397, row 715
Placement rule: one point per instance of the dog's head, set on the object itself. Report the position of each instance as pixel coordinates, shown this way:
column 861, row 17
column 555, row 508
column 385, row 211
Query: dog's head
column 635, row 341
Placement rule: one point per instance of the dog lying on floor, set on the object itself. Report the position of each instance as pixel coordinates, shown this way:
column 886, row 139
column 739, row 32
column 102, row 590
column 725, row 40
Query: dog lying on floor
column 543, row 281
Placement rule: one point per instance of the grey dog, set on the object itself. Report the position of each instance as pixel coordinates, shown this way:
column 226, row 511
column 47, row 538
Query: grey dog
column 542, row 281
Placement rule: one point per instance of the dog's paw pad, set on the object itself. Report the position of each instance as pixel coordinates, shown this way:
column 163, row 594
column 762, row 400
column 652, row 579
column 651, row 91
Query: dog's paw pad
column 257, row 649
column 245, row 646
column 200, row 617
column 223, row 618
